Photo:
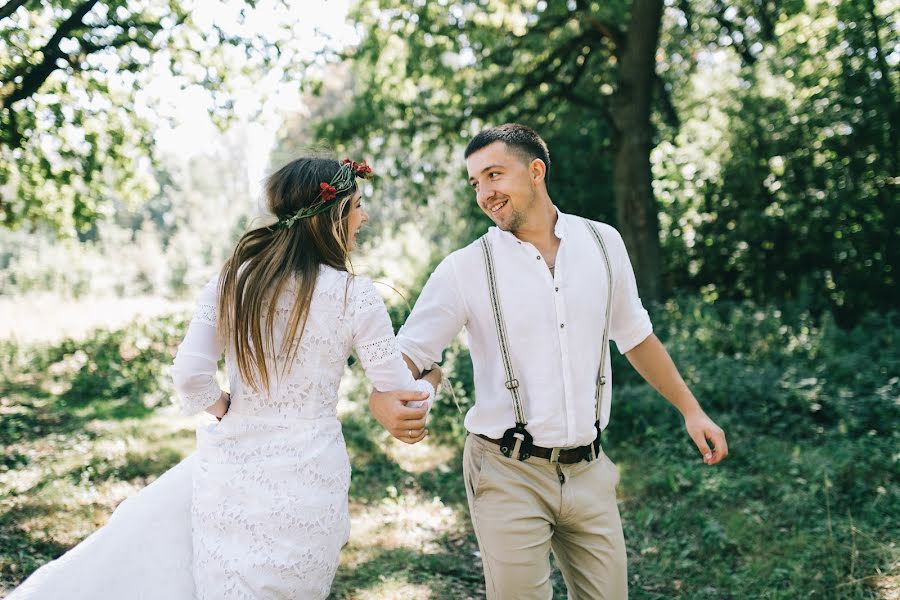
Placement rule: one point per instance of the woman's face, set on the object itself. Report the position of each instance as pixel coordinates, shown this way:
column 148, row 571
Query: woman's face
column 356, row 219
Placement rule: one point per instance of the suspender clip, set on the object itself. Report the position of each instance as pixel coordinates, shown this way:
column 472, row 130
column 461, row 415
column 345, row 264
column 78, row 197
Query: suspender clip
column 516, row 441
column 512, row 384
column 595, row 445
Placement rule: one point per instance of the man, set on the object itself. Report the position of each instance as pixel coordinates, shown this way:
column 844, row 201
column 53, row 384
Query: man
column 539, row 297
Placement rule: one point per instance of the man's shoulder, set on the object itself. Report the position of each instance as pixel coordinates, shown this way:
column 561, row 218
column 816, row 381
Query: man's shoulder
column 463, row 257
column 610, row 235
column 605, row 229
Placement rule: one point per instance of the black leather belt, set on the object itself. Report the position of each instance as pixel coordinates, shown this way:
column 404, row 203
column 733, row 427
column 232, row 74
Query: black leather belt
column 566, row 456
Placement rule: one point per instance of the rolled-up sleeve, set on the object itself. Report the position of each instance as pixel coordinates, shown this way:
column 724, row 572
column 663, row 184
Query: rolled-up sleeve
column 438, row 316
column 629, row 321
column 194, row 368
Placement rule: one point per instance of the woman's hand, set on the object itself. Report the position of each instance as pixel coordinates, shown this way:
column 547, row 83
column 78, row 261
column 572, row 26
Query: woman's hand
column 220, row 406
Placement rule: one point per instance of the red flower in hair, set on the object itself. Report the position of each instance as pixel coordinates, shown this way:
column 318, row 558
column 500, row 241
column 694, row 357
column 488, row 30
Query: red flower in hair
column 327, row 191
column 361, row 170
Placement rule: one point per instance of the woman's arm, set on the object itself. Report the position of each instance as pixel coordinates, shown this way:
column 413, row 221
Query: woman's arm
column 194, row 368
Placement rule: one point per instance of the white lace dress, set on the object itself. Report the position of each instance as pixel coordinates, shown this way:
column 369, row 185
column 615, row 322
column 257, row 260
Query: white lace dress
column 267, row 503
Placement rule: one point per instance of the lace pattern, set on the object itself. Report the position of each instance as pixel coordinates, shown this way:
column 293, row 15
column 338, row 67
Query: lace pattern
column 379, row 351
column 206, row 314
column 366, row 297
column 195, row 402
column 269, row 508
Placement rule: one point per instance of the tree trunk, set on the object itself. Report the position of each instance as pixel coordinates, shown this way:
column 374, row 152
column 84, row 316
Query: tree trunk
column 636, row 209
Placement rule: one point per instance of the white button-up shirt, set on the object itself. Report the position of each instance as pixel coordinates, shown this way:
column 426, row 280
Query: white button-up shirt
column 554, row 325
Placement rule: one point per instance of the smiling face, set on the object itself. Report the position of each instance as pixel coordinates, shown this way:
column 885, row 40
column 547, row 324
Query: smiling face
column 356, row 218
column 505, row 184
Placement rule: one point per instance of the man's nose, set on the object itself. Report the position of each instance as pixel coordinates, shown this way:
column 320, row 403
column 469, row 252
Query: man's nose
column 484, row 193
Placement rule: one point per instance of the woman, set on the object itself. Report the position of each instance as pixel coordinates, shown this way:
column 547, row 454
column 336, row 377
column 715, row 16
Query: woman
column 268, row 508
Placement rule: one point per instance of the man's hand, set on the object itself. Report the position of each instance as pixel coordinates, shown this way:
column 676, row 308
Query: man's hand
column 702, row 430
column 403, row 422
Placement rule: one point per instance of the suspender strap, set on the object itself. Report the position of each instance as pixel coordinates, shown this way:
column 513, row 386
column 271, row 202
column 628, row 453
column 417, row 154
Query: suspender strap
column 512, row 384
column 517, row 440
column 604, row 348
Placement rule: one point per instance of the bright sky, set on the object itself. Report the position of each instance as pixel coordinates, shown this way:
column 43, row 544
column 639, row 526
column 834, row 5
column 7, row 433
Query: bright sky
column 194, row 132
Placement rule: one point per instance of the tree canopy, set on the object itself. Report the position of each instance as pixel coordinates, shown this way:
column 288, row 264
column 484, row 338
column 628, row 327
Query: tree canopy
column 76, row 118
column 769, row 125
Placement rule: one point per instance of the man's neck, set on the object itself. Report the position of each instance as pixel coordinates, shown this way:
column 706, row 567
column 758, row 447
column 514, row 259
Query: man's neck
column 539, row 229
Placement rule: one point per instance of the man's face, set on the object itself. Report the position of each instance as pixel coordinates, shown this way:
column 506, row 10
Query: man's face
column 504, row 185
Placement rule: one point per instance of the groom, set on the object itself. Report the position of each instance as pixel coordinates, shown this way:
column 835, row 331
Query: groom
column 539, row 295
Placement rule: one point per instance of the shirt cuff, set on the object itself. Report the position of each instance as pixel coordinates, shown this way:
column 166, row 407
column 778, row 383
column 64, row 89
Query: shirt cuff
column 425, row 387
column 639, row 332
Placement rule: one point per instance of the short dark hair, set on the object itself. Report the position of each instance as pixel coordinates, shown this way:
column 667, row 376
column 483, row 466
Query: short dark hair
column 522, row 139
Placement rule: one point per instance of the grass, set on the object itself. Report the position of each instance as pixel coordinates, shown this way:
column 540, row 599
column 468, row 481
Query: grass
column 807, row 505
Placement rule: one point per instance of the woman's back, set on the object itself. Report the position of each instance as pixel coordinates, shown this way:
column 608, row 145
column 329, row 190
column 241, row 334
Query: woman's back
column 341, row 313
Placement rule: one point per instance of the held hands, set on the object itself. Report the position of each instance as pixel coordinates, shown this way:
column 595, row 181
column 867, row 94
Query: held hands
column 702, row 430
column 405, row 423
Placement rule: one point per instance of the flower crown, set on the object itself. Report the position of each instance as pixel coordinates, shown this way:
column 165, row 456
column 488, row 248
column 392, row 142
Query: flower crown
column 342, row 181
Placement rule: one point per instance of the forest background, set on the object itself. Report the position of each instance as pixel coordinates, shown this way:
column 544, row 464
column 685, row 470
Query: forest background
column 746, row 150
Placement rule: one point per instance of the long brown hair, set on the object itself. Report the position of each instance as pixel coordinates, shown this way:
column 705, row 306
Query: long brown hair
column 265, row 260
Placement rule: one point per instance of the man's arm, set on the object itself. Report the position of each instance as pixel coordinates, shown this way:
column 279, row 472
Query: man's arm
column 437, row 317
column 650, row 359
column 391, row 411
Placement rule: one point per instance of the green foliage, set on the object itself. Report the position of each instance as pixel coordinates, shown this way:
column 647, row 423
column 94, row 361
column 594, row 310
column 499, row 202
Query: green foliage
column 76, row 119
column 164, row 246
column 776, row 159
column 781, row 189
column 426, row 78
column 120, row 371
column 806, row 505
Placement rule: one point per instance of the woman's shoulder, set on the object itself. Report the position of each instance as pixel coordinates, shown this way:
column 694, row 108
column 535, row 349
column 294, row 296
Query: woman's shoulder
column 357, row 291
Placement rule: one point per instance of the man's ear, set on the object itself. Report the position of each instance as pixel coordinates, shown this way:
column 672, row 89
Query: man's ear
column 538, row 170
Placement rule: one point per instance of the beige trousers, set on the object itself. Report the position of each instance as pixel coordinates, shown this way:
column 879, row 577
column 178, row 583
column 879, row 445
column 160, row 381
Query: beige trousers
column 520, row 511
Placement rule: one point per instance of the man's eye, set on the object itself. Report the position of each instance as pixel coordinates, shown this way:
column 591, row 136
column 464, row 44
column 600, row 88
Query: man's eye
column 494, row 173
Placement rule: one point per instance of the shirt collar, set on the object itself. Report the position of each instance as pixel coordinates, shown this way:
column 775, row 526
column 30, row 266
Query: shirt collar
column 559, row 229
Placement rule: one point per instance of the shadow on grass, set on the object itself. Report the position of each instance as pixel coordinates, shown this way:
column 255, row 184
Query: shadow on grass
column 29, row 413
column 376, row 475
column 448, row 573
column 23, row 550
column 137, row 465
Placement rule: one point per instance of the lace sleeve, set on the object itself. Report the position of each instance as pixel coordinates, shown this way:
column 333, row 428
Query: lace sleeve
column 375, row 344
column 194, row 368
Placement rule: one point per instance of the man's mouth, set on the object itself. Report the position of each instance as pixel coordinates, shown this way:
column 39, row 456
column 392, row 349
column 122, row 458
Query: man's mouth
column 498, row 206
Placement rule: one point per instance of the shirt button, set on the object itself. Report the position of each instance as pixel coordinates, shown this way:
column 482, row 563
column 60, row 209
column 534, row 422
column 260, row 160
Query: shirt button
column 557, row 289
column 562, row 325
column 538, row 257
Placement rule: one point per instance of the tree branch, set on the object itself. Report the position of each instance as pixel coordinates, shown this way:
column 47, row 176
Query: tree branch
column 38, row 74
column 670, row 115
column 608, row 31
column 535, row 76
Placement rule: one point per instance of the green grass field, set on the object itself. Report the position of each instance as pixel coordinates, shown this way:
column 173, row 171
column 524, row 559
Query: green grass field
column 806, row 506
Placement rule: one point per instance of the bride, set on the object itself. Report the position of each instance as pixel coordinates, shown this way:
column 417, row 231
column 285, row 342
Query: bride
column 260, row 509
